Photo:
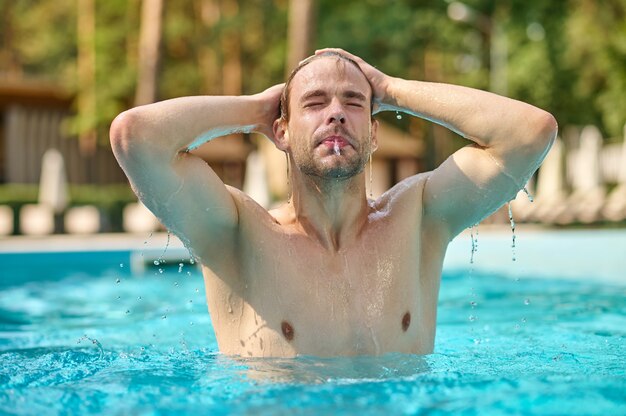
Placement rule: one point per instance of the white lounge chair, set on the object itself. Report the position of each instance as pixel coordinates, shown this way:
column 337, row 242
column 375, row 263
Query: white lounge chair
column 255, row 182
column 6, row 220
column 136, row 218
column 36, row 219
column 82, row 220
column 551, row 199
column 615, row 206
column 587, row 199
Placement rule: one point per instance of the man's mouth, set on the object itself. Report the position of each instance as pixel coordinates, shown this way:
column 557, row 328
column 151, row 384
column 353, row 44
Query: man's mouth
column 334, row 142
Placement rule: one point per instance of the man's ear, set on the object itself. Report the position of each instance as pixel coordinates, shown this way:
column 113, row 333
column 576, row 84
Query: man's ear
column 281, row 136
column 374, row 135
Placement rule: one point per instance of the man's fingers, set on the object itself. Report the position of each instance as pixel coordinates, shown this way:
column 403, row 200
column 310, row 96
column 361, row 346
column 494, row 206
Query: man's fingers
column 339, row 51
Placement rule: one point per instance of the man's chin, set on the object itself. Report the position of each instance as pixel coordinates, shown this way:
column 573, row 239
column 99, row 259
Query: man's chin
column 334, row 172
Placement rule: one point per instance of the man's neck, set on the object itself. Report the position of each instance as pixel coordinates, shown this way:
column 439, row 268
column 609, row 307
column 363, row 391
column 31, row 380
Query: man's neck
column 333, row 211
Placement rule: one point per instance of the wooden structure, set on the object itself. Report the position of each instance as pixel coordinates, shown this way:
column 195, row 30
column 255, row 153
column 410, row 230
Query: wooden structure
column 31, row 121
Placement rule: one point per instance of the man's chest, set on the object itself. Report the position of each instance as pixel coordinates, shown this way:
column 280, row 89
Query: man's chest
column 364, row 298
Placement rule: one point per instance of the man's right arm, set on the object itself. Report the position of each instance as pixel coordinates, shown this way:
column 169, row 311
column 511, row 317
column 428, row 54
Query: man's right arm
column 151, row 144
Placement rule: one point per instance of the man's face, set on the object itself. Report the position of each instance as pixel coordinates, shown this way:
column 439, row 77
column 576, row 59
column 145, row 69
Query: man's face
column 330, row 130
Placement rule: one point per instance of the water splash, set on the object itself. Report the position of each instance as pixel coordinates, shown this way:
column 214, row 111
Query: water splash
column 94, row 342
column 336, row 148
column 474, row 237
column 512, row 221
column 160, row 259
column 145, row 243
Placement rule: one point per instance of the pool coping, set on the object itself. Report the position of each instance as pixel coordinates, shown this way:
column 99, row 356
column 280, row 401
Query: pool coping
column 579, row 254
column 129, row 241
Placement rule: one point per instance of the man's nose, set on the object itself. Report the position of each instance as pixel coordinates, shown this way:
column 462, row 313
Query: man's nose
column 336, row 113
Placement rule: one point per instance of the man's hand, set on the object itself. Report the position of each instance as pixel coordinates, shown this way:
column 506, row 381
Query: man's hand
column 378, row 80
column 270, row 109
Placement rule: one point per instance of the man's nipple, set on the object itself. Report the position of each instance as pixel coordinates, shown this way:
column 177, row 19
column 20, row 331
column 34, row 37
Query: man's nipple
column 287, row 330
column 406, row 321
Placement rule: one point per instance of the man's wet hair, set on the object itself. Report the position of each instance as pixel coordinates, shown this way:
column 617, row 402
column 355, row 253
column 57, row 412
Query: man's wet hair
column 284, row 98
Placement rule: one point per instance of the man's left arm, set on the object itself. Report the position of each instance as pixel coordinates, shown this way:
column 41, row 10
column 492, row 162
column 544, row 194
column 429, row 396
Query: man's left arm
column 510, row 140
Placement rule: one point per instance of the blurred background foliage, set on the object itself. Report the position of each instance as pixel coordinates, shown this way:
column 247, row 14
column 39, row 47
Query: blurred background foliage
column 566, row 56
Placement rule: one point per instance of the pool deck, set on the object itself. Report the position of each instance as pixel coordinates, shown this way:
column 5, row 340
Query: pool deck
column 538, row 252
column 92, row 242
column 132, row 242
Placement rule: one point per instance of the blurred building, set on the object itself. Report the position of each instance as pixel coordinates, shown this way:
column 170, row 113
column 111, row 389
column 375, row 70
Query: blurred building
column 32, row 117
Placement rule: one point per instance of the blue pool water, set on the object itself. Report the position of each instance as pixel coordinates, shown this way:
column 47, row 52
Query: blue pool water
column 80, row 333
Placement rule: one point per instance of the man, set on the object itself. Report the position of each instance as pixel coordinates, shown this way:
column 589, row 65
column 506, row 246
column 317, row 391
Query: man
column 329, row 273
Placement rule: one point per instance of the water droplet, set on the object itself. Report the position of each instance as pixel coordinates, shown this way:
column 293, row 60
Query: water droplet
column 192, row 261
column 398, row 115
column 191, row 323
column 472, row 318
column 190, row 300
column 523, row 320
column 156, row 262
column 197, row 290
column 127, row 311
column 119, row 297
column 512, row 230
column 138, row 297
column 530, row 197
column 336, row 149
column 164, row 317
column 121, row 265
column 473, row 303
column 180, row 267
column 160, row 271
column 117, row 280
column 526, row 301
column 175, row 283
column 474, row 237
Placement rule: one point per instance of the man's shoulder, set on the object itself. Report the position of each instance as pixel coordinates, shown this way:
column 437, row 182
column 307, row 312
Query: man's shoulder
column 410, row 188
column 251, row 212
column 404, row 198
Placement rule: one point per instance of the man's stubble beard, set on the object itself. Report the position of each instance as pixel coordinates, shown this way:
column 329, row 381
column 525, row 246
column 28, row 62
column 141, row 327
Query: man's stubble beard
column 306, row 162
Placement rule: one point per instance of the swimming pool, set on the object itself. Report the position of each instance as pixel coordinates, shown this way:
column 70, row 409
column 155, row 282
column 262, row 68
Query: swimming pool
column 82, row 333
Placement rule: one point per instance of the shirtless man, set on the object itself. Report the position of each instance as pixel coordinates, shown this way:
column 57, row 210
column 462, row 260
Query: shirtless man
column 330, row 272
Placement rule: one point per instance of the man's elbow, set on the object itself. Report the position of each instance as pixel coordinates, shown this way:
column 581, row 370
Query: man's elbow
column 549, row 127
column 544, row 131
column 122, row 131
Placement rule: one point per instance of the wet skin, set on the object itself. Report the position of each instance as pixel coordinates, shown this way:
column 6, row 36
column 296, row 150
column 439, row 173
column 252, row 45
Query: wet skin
column 338, row 284
column 290, row 295
column 330, row 273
